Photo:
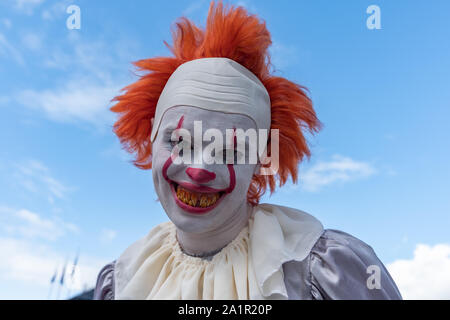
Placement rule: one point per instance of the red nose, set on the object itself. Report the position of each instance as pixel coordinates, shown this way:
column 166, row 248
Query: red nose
column 200, row 175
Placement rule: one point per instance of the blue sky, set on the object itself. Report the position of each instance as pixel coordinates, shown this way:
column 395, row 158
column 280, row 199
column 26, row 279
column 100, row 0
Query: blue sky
column 379, row 168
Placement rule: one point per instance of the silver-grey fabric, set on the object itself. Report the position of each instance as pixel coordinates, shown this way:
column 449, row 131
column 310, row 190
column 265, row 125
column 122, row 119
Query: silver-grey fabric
column 104, row 289
column 335, row 269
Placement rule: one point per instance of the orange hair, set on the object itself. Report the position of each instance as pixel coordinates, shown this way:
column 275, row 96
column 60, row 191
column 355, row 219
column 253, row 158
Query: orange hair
column 230, row 33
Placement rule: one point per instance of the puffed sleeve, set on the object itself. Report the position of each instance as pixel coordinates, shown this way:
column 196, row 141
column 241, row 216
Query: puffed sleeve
column 343, row 267
column 104, row 289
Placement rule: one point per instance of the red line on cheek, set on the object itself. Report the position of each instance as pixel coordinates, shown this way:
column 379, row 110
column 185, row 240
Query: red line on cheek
column 231, row 168
column 232, row 178
column 166, row 167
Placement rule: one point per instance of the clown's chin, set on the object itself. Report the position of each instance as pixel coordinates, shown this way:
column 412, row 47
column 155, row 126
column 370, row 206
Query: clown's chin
column 193, row 201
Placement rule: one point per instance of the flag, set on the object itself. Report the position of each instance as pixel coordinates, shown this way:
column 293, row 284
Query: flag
column 61, row 281
column 75, row 262
column 52, row 280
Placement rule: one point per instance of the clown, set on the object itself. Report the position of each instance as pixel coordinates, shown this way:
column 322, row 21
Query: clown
column 220, row 242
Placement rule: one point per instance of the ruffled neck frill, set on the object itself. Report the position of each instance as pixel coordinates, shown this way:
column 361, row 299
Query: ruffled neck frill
column 249, row 267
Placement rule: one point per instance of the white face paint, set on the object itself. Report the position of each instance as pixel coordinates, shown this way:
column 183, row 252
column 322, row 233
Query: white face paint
column 209, row 195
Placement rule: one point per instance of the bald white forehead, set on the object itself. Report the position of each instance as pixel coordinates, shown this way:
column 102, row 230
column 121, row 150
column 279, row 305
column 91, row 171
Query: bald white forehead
column 216, row 84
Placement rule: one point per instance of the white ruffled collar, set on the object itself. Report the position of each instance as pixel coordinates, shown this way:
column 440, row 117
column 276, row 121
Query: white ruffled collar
column 249, row 267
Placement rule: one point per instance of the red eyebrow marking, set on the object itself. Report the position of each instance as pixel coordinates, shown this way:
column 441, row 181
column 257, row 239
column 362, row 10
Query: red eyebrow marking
column 179, row 126
column 180, row 122
column 170, row 160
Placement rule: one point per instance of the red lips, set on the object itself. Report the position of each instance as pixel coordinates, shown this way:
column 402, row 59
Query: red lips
column 198, row 174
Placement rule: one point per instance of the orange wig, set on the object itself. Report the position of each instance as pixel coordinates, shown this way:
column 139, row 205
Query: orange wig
column 230, row 33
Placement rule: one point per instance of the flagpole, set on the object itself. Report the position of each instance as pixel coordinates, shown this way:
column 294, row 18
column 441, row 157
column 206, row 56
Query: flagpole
column 50, row 291
column 52, row 283
column 72, row 274
column 61, row 280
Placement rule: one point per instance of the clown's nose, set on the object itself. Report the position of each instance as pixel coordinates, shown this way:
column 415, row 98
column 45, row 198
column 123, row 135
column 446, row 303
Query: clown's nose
column 200, row 175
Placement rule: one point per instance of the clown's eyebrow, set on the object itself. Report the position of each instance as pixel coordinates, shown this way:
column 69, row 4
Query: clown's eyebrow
column 171, row 127
column 180, row 123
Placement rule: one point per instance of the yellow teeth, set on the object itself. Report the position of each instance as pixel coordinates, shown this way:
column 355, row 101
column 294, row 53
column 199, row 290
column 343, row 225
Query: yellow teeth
column 195, row 199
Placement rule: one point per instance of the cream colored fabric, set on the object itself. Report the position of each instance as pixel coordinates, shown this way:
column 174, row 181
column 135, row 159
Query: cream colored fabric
column 249, row 267
column 216, row 84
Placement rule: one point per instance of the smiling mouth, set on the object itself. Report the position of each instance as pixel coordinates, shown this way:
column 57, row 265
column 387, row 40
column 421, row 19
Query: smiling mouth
column 196, row 199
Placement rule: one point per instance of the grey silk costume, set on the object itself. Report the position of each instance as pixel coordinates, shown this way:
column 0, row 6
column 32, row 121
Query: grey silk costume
column 336, row 268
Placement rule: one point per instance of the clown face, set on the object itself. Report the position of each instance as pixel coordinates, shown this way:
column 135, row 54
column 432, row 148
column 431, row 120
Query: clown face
column 200, row 197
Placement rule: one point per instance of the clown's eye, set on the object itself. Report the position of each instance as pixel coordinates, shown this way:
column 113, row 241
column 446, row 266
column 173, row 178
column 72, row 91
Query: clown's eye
column 174, row 143
column 233, row 154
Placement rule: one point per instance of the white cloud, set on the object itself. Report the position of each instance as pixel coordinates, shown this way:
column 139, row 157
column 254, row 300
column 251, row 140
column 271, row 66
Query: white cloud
column 115, row 150
column 33, row 265
column 26, row 6
column 7, row 23
column 94, row 59
column 77, row 101
column 249, row 6
column 91, row 74
column 339, row 169
column 426, row 275
column 30, row 225
column 32, row 41
column 19, row 261
column 56, row 10
column 283, row 55
column 9, row 51
column 107, row 236
column 84, row 94
column 28, row 261
column 36, row 178
column 4, row 100
column 195, row 6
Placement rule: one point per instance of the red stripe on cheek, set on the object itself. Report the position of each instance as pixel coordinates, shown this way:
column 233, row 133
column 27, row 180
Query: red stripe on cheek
column 232, row 178
column 230, row 167
column 166, row 167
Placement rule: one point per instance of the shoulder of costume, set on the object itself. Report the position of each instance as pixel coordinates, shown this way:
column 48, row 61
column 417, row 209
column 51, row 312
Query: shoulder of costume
column 279, row 234
column 341, row 266
column 298, row 226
